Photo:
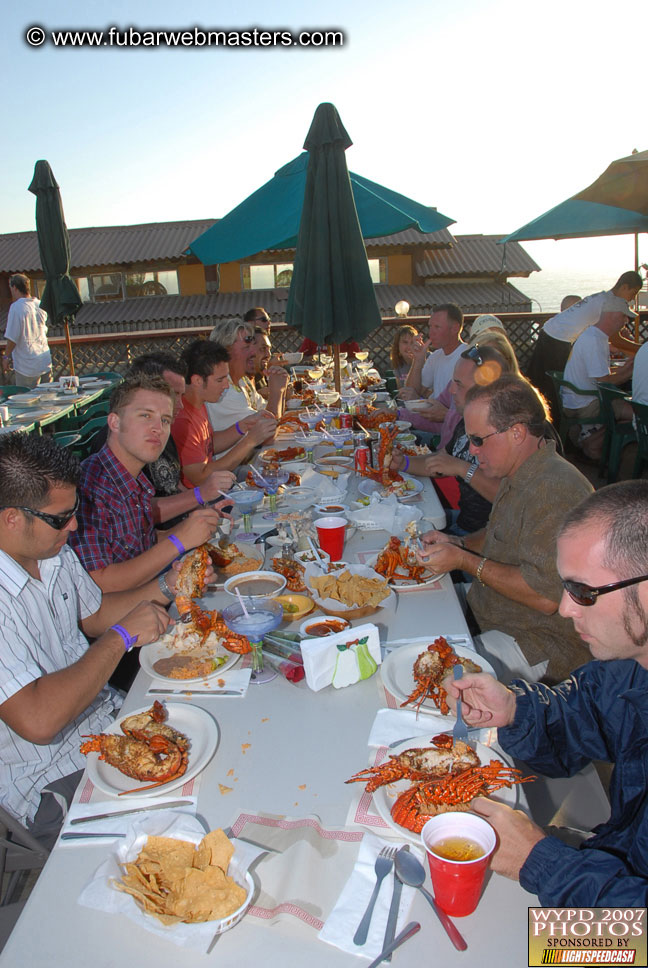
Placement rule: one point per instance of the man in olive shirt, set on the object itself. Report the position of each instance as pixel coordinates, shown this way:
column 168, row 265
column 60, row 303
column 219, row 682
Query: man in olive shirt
column 517, row 589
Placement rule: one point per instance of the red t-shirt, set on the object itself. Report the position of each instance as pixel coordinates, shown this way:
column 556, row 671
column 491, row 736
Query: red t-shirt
column 193, row 436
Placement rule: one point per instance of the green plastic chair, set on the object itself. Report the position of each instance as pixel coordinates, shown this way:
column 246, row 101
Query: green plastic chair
column 391, row 382
column 564, row 420
column 78, row 420
column 66, row 440
column 641, row 426
column 6, row 391
column 86, row 433
column 617, row 433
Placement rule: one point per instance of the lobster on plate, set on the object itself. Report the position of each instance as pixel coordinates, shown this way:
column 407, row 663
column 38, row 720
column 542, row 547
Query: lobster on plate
column 430, row 668
column 420, row 764
column 383, row 473
column 149, row 749
column 398, row 556
column 189, row 586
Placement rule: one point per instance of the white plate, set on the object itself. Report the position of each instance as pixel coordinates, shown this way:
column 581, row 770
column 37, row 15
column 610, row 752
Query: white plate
column 23, row 400
column 385, row 796
column 91, row 384
column 247, row 551
column 397, row 675
column 368, row 487
column 150, row 654
column 194, row 722
column 31, row 415
column 266, row 457
column 407, row 584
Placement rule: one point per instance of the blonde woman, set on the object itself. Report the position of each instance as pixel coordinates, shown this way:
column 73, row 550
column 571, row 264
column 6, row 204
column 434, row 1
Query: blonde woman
column 405, row 338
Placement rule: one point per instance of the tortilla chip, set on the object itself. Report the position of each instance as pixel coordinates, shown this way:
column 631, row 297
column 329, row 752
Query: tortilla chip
column 215, row 849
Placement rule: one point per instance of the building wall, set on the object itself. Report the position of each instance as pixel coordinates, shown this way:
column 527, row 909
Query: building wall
column 230, row 277
column 191, row 280
column 399, row 270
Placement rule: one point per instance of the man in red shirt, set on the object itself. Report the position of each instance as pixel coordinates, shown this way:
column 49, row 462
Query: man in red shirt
column 207, row 379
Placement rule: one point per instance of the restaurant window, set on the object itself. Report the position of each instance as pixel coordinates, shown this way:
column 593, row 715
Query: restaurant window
column 152, row 283
column 105, row 287
column 378, row 270
column 274, row 276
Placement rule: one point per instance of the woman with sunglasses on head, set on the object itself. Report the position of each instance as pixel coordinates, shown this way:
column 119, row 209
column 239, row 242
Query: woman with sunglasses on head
column 598, row 713
column 515, row 596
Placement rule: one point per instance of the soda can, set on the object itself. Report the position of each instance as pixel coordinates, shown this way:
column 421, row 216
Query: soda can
column 346, row 421
column 362, row 458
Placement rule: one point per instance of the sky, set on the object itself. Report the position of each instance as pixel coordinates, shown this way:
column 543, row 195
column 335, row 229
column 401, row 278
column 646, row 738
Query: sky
column 491, row 110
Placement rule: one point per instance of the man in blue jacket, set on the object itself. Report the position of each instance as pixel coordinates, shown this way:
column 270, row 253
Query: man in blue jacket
column 599, row 713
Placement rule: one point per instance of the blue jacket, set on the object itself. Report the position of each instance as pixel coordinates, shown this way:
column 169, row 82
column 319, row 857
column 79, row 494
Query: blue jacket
column 599, row 713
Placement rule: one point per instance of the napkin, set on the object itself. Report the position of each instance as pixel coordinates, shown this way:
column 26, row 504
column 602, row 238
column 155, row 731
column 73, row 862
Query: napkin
column 391, row 725
column 385, row 514
column 116, row 824
column 342, row 923
column 100, row 894
column 235, row 679
column 325, row 663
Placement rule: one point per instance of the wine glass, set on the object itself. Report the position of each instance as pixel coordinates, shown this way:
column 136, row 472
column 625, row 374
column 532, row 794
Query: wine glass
column 246, row 500
column 254, row 619
column 362, row 355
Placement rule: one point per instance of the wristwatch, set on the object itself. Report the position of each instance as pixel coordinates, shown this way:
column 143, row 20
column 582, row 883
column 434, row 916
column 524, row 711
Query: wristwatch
column 164, row 588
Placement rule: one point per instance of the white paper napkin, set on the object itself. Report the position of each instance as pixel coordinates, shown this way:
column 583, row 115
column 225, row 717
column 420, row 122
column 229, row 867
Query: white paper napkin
column 385, row 514
column 238, row 679
column 343, row 921
column 98, row 892
column 391, row 725
column 322, row 657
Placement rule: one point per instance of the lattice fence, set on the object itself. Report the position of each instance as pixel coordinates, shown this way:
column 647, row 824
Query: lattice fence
column 116, row 352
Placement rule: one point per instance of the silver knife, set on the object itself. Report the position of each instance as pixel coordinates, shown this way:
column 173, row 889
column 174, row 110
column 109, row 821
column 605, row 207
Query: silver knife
column 408, row 931
column 392, row 918
column 121, row 813
column 69, row 836
column 192, row 692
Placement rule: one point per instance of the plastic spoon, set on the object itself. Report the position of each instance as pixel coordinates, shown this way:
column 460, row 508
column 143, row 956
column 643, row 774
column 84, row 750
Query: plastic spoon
column 410, row 871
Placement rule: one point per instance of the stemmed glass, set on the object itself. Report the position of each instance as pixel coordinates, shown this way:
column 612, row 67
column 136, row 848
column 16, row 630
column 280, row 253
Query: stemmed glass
column 308, row 442
column 246, row 500
column 362, row 355
column 273, row 481
column 263, row 616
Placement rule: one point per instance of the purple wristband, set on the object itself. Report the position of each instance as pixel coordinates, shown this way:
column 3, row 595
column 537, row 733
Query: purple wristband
column 240, row 432
column 128, row 640
column 406, row 462
column 198, row 496
column 179, row 545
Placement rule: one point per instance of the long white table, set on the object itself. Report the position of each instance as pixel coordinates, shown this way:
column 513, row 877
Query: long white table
column 303, row 746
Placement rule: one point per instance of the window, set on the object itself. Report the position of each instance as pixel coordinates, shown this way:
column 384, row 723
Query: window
column 266, row 276
column 128, row 285
column 152, row 283
column 378, row 270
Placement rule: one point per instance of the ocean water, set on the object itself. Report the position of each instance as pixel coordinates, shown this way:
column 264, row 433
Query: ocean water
column 548, row 287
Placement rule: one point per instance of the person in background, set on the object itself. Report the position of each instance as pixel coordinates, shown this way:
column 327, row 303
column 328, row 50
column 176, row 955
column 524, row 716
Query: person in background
column 517, row 589
column 52, row 683
column 400, row 355
column 259, row 319
column 261, row 362
column 622, row 408
column 26, row 336
column 310, row 349
column 559, row 333
column 240, row 399
column 479, row 365
column 598, row 713
column 430, row 374
column 587, row 366
column 486, row 323
column 207, row 381
column 568, row 301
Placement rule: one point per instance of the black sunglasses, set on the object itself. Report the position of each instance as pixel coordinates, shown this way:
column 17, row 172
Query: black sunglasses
column 478, row 441
column 473, row 354
column 584, row 594
column 56, row 521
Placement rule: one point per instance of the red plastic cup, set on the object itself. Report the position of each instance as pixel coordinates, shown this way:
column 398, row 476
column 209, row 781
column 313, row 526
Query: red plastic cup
column 458, row 884
column 330, row 532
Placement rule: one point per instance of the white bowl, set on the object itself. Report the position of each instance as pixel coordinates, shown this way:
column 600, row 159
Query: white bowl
column 333, row 507
column 403, row 424
column 263, row 579
column 293, row 404
column 292, row 359
column 322, row 618
column 416, row 405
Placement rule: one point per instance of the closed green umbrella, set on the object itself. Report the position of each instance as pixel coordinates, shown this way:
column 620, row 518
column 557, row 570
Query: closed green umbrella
column 61, row 300
column 332, row 296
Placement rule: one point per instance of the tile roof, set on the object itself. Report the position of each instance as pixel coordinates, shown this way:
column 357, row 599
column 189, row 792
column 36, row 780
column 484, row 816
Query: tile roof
column 178, row 312
column 106, row 245
column 477, row 255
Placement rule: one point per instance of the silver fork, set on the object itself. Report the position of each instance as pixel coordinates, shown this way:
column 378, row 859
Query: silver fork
column 460, row 730
column 384, row 864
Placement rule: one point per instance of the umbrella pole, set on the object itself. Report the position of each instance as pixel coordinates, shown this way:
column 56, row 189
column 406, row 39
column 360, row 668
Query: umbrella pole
column 69, row 347
column 336, row 367
column 636, row 252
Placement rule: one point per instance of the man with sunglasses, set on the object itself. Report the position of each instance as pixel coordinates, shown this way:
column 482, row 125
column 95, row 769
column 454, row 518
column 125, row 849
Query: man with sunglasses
column 515, row 596
column 52, row 683
column 599, row 713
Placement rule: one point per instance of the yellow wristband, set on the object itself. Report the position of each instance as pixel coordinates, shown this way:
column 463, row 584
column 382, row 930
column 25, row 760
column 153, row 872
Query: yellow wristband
column 480, row 568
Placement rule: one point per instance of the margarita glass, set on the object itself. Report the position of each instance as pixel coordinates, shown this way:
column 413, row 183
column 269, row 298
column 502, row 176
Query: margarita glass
column 246, row 500
column 308, row 442
column 273, row 481
column 263, row 616
column 362, row 355
column 310, row 419
column 329, row 415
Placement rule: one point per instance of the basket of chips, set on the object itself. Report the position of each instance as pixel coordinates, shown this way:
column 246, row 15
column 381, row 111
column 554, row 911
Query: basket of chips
column 355, row 592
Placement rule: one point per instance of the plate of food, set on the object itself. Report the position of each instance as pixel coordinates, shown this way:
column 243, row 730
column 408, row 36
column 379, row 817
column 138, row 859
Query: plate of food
column 413, row 673
column 179, row 742
column 405, row 489
column 415, row 782
column 188, row 654
column 235, row 559
column 283, row 456
column 397, row 563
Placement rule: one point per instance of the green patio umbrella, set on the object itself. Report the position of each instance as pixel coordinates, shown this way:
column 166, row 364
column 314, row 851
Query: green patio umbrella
column 332, row 296
column 61, row 300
